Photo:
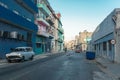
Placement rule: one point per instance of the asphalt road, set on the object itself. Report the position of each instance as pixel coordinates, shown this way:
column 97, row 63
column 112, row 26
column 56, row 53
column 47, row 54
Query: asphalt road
column 71, row 66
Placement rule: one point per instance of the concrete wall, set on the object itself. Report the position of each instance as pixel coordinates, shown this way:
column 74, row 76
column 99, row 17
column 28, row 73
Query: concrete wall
column 18, row 8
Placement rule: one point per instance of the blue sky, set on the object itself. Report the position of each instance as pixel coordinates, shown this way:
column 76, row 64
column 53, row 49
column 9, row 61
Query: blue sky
column 80, row 15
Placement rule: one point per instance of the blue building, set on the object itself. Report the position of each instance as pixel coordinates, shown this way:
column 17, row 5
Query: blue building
column 106, row 37
column 17, row 26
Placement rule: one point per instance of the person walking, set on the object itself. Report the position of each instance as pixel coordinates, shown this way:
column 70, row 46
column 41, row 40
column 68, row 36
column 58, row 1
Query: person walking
column 65, row 50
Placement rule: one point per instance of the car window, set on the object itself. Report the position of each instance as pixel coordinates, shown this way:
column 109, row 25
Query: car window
column 28, row 49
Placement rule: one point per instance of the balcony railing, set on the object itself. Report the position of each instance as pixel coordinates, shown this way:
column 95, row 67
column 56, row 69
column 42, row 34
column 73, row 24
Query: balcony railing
column 61, row 30
column 51, row 36
column 43, row 33
column 43, row 8
column 60, row 40
column 29, row 5
column 12, row 18
column 42, row 21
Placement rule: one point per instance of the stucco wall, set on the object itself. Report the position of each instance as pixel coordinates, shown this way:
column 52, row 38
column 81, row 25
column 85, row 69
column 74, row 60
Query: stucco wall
column 104, row 28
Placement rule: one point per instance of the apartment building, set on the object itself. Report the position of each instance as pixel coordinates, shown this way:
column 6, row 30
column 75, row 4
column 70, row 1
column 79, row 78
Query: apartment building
column 59, row 34
column 42, row 38
column 50, row 32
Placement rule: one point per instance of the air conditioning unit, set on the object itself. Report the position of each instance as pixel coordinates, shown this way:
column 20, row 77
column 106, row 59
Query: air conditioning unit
column 13, row 35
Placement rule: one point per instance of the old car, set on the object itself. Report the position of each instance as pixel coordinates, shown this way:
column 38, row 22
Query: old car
column 20, row 54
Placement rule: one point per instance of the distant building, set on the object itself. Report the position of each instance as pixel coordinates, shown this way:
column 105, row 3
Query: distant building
column 17, row 26
column 76, row 40
column 106, row 37
column 70, row 45
column 83, row 40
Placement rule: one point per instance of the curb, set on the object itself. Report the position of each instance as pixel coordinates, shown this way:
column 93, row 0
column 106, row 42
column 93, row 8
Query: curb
column 101, row 64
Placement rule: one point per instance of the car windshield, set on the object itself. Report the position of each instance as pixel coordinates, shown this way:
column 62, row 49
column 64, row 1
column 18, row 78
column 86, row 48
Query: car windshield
column 18, row 50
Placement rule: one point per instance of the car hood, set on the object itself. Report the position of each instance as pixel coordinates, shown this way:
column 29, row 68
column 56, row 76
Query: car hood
column 12, row 54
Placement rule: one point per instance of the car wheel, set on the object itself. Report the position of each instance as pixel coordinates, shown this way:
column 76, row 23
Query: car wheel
column 31, row 58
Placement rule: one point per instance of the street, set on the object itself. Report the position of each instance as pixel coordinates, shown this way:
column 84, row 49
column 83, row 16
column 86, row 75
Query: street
column 71, row 66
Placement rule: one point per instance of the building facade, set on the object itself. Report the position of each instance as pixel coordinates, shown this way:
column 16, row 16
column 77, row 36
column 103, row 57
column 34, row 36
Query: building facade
column 43, row 25
column 17, row 26
column 70, row 45
column 59, row 34
column 50, row 32
column 106, row 37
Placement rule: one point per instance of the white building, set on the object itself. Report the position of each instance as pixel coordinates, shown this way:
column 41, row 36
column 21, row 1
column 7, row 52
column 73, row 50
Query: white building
column 106, row 37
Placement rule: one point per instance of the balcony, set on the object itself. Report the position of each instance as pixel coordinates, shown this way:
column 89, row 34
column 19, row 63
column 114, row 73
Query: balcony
column 43, row 8
column 12, row 18
column 50, row 20
column 28, row 4
column 51, row 36
column 42, row 22
column 61, row 30
column 43, row 33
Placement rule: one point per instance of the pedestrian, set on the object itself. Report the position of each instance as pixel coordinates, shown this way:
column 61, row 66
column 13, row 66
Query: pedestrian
column 65, row 50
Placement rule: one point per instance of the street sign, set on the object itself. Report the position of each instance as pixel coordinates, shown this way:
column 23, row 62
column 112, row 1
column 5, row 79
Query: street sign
column 113, row 41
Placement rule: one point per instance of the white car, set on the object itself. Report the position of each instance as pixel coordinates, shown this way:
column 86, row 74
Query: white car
column 20, row 54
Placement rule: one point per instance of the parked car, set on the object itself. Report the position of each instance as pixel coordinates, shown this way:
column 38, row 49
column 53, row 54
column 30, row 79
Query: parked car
column 20, row 54
column 77, row 50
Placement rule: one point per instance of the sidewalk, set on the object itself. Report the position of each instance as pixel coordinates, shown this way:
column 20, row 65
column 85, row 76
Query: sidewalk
column 110, row 68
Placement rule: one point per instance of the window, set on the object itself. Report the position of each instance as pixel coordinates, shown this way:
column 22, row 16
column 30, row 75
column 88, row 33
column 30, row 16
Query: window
column 22, row 37
column 29, row 37
column 19, row 36
column 6, row 34
column 99, row 46
column 16, row 12
column 4, row 5
column 110, row 45
column 104, row 46
column 95, row 47
column 28, row 19
column 38, row 45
